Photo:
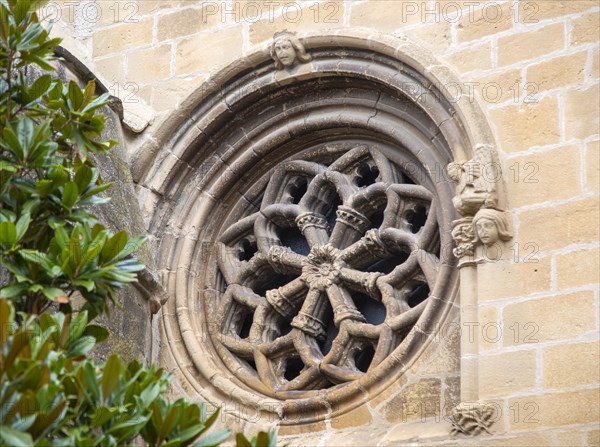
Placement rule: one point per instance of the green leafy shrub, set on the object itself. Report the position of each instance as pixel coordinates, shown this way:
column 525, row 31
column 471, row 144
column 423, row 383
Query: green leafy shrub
column 53, row 248
column 52, row 394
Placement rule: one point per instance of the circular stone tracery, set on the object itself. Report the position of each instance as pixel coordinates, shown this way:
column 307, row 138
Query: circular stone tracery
column 231, row 232
column 313, row 330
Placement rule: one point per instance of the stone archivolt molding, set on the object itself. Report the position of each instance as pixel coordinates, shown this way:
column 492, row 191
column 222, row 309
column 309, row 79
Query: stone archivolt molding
column 304, row 223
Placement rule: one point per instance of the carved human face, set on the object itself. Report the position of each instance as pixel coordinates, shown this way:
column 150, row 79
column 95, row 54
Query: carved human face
column 285, row 52
column 487, row 231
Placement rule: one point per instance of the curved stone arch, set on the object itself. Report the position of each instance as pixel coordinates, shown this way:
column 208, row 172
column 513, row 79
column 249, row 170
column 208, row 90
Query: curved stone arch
column 177, row 130
column 172, row 159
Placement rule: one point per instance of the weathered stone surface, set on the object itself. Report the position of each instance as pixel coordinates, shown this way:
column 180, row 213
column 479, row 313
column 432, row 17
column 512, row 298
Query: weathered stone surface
column 571, row 365
column 555, row 409
column 131, row 327
column 595, row 70
column 532, row 322
column 418, row 402
column 185, row 22
column 298, row 17
column 571, row 223
column 379, row 15
column 531, row 277
column 435, row 35
column 477, row 42
column 558, row 72
column 152, row 7
column 531, row 44
column 123, row 36
column 544, row 177
column 131, row 333
column 483, row 21
column 213, row 46
column 489, row 331
column 289, row 314
column 112, row 69
column 584, row 29
column 355, row 418
column 539, row 10
column 578, row 268
column 510, row 372
column 477, row 57
column 526, row 125
column 156, row 63
column 500, row 87
column 592, row 161
column 579, row 112
column 593, row 437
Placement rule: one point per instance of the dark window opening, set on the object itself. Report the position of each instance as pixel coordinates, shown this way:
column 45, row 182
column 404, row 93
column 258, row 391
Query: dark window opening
column 297, row 190
column 416, row 218
column 248, row 250
column 293, row 368
column 364, row 357
column 367, row 175
column 244, row 330
column 388, row 264
column 373, row 311
column 292, row 237
column 418, row 295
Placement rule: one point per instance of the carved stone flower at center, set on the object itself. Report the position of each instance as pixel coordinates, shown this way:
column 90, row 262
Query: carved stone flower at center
column 321, row 268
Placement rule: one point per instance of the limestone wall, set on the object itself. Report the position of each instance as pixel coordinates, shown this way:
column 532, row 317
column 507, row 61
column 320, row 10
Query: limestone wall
column 533, row 67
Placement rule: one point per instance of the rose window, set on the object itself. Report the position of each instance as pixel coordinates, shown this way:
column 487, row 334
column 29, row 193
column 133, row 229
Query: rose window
column 329, row 273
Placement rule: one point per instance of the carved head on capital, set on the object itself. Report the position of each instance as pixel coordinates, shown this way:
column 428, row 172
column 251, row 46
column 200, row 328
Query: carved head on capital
column 491, row 225
column 286, row 49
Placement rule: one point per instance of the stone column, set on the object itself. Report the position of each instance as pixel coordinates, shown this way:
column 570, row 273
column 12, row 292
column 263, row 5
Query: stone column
column 483, row 224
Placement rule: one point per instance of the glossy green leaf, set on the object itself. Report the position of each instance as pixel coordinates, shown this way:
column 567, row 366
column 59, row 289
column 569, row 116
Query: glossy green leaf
column 55, row 294
column 70, row 195
column 110, row 375
column 12, row 290
column 149, row 395
column 22, row 225
column 81, row 346
column 15, row 438
column 78, row 325
column 113, row 246
column 5, row 317
column 240, row 441
column 169, row 422
column 75, row 95
column 213, row 439
column 98, row 332
column 83, row 177
column 39, row 87
column 45, row 187
column 8, row 234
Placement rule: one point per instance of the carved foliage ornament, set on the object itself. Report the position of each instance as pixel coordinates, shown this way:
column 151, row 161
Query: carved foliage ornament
column 324, row 282
column 472, row 418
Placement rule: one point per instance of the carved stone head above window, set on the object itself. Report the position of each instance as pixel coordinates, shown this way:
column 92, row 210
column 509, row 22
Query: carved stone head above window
column 287, row 50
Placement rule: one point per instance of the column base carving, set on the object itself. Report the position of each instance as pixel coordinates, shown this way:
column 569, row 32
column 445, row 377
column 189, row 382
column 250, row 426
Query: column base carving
column 472, row 418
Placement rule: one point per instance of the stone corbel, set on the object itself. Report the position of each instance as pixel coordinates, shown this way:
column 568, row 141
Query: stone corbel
column 151, row 289
column 483, row 225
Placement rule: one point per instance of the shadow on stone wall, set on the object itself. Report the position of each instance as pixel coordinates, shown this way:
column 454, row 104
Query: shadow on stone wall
column 131, row 327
